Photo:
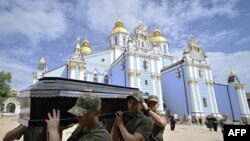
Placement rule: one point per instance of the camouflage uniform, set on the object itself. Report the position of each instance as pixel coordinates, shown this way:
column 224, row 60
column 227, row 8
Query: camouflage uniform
column 157, row 130
column 96, row 134
column 84, row 104
column 138, row 123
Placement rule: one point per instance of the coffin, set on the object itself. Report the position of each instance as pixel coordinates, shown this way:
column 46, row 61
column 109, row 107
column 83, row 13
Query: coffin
column 60, row 93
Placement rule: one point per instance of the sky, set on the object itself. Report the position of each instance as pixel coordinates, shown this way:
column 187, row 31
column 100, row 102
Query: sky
column 32, row 29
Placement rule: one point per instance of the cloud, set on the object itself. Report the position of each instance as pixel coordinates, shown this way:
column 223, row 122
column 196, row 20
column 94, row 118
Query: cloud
column 21, row 72
column 243, row 41
column 171, row 16
column 209, row 40
column 222, row 63
column 34, row 19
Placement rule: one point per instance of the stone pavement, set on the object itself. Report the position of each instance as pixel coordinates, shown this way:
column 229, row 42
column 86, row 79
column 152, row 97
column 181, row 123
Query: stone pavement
column 181, row 133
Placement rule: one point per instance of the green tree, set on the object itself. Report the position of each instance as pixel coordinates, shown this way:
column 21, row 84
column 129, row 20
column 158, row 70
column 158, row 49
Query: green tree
column 5, row 79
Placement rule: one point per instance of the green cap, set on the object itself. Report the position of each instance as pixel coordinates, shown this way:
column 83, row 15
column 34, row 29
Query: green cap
column 137, row 96
column 85, row 103
column 153, row 98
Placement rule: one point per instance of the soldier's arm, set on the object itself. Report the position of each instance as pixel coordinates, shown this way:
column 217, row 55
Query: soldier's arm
column 159, row 120
column 114, row 131
column 15, row 133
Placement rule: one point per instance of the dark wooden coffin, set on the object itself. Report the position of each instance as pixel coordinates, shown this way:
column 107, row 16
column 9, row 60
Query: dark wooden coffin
column 60, row 93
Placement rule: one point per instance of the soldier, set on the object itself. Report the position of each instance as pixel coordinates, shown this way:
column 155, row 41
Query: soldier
column 133, row 125
column 150, row 109
column 87, row 110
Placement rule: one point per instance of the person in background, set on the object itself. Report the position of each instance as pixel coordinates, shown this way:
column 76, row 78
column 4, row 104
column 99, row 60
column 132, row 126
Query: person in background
column 132, row 125
column 87, row 111
column 150, row 109
column 172, row 122
column 215, row 123
column 200, row 120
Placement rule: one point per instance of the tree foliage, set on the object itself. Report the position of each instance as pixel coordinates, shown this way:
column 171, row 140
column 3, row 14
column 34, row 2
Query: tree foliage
column 5, row 79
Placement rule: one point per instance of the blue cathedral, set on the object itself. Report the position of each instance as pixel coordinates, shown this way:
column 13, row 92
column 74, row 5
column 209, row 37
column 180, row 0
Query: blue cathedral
column 142, row 60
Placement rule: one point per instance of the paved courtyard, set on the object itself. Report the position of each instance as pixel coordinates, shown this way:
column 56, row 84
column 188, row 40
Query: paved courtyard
column 181, row 133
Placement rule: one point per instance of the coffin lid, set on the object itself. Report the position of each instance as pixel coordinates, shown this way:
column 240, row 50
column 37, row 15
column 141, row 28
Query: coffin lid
column 62, row 87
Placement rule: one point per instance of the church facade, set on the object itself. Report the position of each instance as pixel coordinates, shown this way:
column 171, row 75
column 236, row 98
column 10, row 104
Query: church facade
column 143, row 61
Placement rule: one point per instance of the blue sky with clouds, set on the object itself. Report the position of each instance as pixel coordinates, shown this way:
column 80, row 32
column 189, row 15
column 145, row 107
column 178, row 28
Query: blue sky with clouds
column 32, row 29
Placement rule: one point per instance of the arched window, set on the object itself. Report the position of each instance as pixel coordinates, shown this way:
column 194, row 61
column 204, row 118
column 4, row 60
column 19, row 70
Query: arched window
column 85, row 77
column 124, row 41
column 142, row 44
column 204, row 102
column 95, row 78
column 106, row 79
column 10, row 108
column 145, row 64
column 116, row 40
column 164, row 49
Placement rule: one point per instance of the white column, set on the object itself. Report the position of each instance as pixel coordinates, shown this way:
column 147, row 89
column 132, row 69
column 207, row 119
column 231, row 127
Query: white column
column 245, row 99
column 193, row 98
column 81, row 74
column 198, row 97
column 210, row 97
column 160, row 96
column 214, row 100
column 72, row 72
column 242, row 108
column 158, row 71
column 210, row 75
column 117, row 53
column 153, row 73
column 190, row 73
column 112, row 56
column 194, row 91
column 159, row 65
column 131, row 68
column 139, row 70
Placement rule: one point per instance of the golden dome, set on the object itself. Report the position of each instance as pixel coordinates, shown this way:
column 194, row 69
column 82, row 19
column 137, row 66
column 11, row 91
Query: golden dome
column 86, row 47
column 14, row 92
column 157, row 36
column 231, row 74
column 119, row 27
column 42, row 60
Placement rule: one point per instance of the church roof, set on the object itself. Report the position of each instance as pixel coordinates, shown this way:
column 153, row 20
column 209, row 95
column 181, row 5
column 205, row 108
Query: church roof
column 119, row 27
column 85, row 49
column 156, row 37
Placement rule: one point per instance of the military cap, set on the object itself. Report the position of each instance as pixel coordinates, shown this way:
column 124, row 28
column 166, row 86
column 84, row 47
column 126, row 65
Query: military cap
column 137, row 96
column 85, row 103
column 153, row 98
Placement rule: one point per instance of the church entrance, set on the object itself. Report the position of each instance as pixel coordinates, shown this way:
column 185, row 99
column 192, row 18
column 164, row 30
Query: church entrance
column 10, row 108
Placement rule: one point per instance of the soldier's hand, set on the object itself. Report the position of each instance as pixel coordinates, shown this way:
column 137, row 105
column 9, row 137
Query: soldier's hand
column 119, row 118
column 54, row 121
column 144, row 105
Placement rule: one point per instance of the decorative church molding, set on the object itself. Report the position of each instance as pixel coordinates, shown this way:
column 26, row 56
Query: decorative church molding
column 131, row 74
column 72, row 66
